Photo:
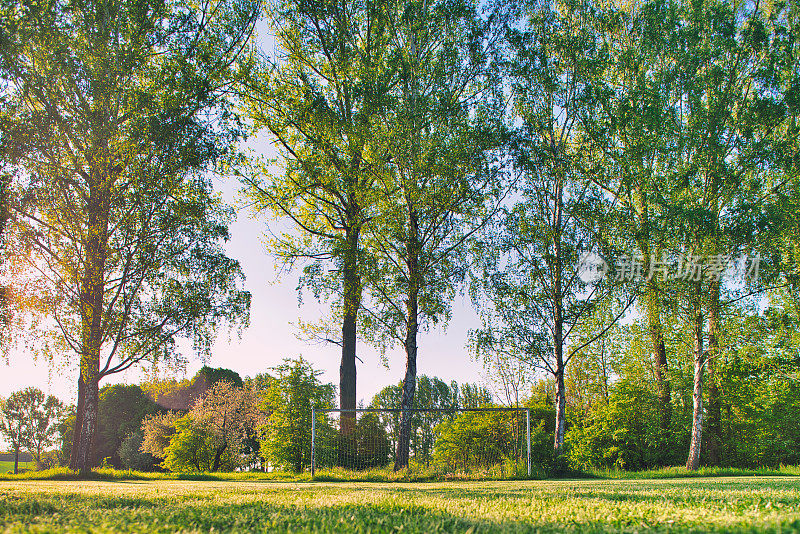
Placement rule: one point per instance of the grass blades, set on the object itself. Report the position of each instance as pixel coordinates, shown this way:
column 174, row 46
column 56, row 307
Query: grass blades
column 720, row 504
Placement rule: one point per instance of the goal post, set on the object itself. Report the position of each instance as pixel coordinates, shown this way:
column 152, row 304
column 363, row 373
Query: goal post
column 492, row 440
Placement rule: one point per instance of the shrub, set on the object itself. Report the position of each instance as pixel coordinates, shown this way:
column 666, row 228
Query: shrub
column 193, row 448
column 132, row 457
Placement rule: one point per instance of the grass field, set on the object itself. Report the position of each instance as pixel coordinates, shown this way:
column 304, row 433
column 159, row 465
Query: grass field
column 720, row 504
column 6, row 467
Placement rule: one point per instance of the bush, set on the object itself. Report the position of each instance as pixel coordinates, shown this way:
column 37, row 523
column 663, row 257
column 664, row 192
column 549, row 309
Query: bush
column 286, row 436
column 132, row 457
column 623, row 434
column 121, row 411
column 192, row 448
column 480, row 440
column 372, row 443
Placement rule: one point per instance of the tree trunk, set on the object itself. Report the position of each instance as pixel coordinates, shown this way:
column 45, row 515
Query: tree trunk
column 714, row 426
column 38, row 457
column 16, row 456
column 218, row 458
column 561, row 398
column 88, row 430
column 558, row 335
column 561, row 404
column 659, row 356
column 407, row 400
column 76, row 432
column 92, row 308
column 410, row 380
column 693, row 462
column 347, row 368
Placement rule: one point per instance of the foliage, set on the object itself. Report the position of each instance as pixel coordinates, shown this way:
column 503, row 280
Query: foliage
column 211, row 435
column 30, row 420
column 481, row 440
column 477, row 440
column 122, row 409
column 373, row 448
column 431, row 392
column 130, row 454
column 622, row 434
column 157, row 432
column 286, row 434
column 192, row 448
column 759, row 389
column 474, row 396
column 212, row 375
column 182, row 394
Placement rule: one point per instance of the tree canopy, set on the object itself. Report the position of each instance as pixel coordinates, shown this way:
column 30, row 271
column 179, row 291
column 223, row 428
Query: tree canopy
column 112, row 114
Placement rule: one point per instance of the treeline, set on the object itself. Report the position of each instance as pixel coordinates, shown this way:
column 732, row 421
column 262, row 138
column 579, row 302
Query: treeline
column 614, row 184
column 216, row 421
column 617, row 178
column 753, row 409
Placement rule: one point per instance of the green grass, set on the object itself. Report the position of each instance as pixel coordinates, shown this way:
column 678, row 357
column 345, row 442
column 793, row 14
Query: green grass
column 6, row 467
column 65, row 474
column 682, row 472
column 413, row 474
column 719, row 504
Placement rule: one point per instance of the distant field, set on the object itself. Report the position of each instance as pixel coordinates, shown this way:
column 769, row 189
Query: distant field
column 6, row 466
column 720, row 504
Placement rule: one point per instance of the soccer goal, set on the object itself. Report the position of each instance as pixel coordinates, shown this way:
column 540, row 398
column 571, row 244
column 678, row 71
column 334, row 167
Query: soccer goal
column 473, row 441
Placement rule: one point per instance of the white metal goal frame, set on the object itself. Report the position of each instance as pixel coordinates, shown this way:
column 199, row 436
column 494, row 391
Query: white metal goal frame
column 315, row 410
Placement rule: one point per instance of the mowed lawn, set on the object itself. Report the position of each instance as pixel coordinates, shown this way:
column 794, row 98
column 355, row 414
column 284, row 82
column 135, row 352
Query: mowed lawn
column 8, row 467
column 734, row 504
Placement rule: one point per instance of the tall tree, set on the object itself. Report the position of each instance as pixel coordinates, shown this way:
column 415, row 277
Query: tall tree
column 321, row 98
column 633, row 132
column 12, row 424
column 535, row 298
column 441, row 183
column 733, row 98
column 116, row 110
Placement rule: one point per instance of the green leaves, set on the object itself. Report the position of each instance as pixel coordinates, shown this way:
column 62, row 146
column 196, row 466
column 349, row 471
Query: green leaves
column 29, row 419
column 116, row 111
column 286, row 434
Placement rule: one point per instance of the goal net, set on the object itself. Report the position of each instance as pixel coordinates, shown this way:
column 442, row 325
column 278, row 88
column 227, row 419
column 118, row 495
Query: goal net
column 492, row 442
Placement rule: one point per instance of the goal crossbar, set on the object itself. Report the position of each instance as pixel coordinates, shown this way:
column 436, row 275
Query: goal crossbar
column 315, row 410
